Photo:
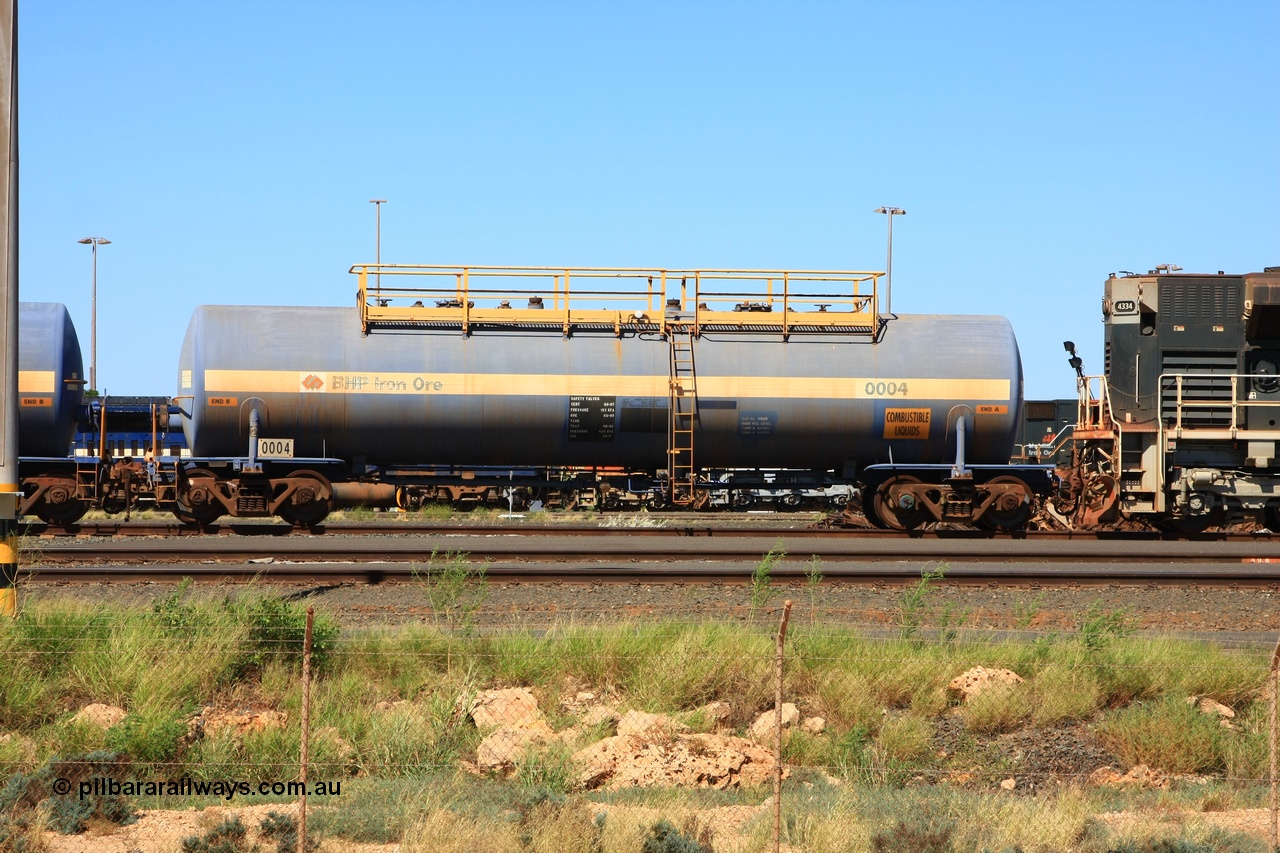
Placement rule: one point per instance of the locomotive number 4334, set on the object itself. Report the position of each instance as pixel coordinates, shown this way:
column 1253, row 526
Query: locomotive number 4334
column 280, row 448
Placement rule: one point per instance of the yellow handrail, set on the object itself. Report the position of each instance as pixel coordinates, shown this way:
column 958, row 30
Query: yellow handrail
column 821, row 300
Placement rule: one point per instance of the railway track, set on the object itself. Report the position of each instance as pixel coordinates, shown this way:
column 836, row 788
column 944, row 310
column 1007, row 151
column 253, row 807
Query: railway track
column 688, row 526
column 658, row 557
column 1242, row 578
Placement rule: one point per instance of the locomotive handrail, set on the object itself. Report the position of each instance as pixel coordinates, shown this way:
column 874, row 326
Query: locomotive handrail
column 830, row 300
column 1087, row 403
column 1236, row 405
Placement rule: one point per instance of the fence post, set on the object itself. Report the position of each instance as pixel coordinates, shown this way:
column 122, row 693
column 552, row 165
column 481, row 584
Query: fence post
column 1272, row 681
column 777, row 734
column 306, row 729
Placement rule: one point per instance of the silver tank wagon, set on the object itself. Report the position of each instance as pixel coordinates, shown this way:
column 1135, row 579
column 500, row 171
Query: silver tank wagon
column 712, row 377
column 513, row 397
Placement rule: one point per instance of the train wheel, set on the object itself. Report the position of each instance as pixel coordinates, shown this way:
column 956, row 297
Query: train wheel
column 869, row 508
column 59, row 506
column 198, row 503
column 902, row 513
column 1007, row 512
column 311, row 502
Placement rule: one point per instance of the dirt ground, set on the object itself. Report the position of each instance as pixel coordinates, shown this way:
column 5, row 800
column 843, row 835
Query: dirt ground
column 1213, row 612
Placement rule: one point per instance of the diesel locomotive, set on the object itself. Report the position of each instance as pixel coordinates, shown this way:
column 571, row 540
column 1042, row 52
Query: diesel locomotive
column 1181, row 428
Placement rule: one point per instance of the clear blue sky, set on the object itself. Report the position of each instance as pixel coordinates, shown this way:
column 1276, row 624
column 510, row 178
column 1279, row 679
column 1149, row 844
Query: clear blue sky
column 229, row 149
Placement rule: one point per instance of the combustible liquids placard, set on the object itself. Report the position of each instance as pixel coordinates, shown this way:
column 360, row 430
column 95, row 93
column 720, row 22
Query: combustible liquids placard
column 906, row 423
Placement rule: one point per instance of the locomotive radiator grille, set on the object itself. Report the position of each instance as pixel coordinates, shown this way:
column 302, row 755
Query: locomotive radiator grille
column 1206, row 378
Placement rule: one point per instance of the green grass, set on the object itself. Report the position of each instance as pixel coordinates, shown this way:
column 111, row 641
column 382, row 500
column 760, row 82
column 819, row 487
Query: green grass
column 435, row 512
column 761, row 590
column 884, row 702
column 1169, row 734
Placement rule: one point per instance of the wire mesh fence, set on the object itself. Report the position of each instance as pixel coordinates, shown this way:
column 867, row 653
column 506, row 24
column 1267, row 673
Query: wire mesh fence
column 597, row 730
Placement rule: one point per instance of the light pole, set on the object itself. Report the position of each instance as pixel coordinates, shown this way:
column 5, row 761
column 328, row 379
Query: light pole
column 94, row 242
column 377, row 245
column 888, row 298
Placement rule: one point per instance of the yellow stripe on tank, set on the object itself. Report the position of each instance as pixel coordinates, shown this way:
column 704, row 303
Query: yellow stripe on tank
column 35, row 382
column 851, row 388
column 247, row 382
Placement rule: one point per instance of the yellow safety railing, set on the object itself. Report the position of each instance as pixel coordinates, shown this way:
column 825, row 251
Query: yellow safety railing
column 465, row 297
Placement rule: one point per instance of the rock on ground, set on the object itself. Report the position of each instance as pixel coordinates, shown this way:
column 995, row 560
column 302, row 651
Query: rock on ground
column 511, row 706
column 971, row 683
column 649, row 726
column 687, row 761
column 100, row 715
column 507, row 744
column 766, row 725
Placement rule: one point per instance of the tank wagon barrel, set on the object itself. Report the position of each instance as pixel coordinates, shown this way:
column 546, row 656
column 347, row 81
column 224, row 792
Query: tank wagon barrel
column 50, row 391
column 50, row 379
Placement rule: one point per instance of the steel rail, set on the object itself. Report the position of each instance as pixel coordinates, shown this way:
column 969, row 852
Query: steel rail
column 1232, row 575
column 676, row 527
column 636, row 547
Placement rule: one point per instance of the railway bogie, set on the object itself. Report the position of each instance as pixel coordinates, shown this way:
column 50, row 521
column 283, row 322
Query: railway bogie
column 998, row 497
column 302, row 492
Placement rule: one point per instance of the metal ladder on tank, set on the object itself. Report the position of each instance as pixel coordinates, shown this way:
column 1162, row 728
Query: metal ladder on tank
column 682, row 403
